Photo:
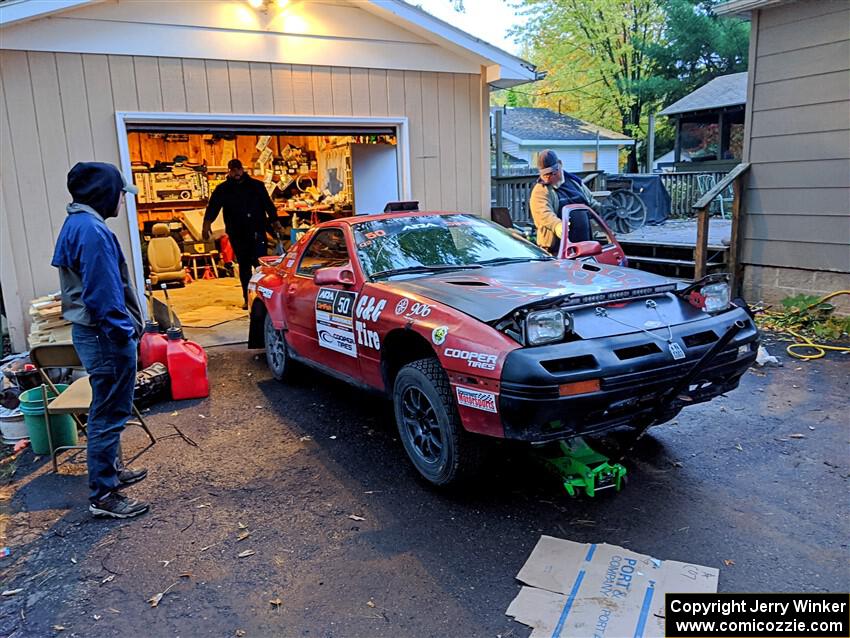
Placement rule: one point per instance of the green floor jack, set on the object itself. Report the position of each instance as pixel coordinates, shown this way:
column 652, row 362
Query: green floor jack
column 583, row 468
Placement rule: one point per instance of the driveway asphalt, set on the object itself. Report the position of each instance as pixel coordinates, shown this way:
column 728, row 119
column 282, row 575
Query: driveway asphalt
column 344, row 540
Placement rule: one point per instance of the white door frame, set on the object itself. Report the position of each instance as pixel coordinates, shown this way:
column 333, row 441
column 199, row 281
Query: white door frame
column 123, row 118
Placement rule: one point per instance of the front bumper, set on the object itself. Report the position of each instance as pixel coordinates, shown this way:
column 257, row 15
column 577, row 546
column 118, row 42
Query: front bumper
column 634, row 372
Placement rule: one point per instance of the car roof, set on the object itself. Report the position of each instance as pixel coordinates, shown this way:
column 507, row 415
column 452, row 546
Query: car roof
column 357, row 219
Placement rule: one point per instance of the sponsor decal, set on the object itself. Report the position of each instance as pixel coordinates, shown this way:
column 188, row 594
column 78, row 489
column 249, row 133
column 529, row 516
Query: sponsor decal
column 476, row 399
column 337, row 339
column 401, row 306
column 289, row 263
column 477, row 360
column 439, row 334
column 420, row 226
column 265, row 292
column 366, row 337
column 419, row 310
column 335, row 320
column 369, row 308
column 652, row 324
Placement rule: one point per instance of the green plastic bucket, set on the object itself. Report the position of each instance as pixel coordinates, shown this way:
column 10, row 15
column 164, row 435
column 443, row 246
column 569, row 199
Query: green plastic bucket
column 63, row 429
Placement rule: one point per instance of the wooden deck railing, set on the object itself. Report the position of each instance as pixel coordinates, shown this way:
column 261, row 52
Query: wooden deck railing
column 735, row 178
column 513, row 192
column 685, row 190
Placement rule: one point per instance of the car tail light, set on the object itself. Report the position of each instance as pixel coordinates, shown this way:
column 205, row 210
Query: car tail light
column 579, row 387
column 710, row 298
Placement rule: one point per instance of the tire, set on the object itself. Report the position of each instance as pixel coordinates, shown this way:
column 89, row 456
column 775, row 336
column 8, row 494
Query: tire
column 277, row 354
column 429, row 425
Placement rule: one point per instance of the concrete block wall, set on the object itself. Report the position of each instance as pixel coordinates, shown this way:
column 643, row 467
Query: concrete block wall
column 771, row 285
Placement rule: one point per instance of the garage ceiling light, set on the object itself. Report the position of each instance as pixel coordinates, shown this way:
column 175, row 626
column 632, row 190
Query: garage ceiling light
column 264, row 5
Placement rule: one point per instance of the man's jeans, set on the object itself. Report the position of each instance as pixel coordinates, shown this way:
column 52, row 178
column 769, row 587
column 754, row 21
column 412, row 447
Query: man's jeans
column 112, row 374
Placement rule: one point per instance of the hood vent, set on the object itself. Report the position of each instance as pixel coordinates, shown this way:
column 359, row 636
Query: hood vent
column 469, row 282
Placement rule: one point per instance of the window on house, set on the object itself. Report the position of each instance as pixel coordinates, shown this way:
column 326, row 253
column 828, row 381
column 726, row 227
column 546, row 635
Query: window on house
column 588, row 160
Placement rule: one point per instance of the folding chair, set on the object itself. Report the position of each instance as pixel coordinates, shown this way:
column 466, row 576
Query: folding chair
column 75, row 400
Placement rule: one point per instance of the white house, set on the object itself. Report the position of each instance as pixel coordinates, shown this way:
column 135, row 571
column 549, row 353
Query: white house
column 580, row 145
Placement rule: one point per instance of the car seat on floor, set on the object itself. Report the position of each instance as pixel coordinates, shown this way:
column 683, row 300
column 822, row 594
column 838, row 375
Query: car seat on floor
column 164, row 256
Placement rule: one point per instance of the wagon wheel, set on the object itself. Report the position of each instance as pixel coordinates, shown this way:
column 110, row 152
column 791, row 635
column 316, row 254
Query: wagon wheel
column 624, row 211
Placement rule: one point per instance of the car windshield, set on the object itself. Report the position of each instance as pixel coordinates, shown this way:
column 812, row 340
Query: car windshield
column 431, row 243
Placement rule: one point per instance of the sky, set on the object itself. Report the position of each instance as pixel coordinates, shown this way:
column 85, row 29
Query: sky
column 485, row 19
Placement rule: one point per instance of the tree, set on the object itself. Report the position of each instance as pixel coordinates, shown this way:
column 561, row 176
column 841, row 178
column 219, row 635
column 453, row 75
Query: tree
column 612, row 62
column 595, row 54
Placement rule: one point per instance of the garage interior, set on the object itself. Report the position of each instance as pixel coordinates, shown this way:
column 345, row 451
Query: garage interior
column 311, row 174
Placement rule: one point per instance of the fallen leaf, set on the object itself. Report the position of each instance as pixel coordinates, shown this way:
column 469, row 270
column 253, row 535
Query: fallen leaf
column 242, row 525
column 12, row 592
column 154, row 600
column 305, row 438
column 333, row 437
column 58, row 627
column 354, row 517
column 243, row 536
column 370, row 604
column 108, row 579
column 202, row 505
column 203, row 549
column 114, row 611
column 96, row 617
column 246, row 553
column 728, row 562
column 73, row 560
column 276, row 602
column 240, row 633
column 186, row 575
column 811, row 427
column 739, row 447
column 677, row 464
column 259, row 407
column 797, row 436
column 165, row 563
column 202, row 416
column 175, row 413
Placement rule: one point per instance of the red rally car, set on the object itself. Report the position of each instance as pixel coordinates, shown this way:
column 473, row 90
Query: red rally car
column 474, row 331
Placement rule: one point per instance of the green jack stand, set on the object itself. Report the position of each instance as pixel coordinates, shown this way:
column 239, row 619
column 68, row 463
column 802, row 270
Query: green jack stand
column 581, row 467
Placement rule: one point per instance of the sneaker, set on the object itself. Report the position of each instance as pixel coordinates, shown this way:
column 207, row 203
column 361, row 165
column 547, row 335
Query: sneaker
column 116, row 505
column 126, row 476
column 245, row 306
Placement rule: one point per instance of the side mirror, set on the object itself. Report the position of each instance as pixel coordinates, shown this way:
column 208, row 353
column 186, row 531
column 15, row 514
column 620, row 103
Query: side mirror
column 335, row 275
column 583, row 249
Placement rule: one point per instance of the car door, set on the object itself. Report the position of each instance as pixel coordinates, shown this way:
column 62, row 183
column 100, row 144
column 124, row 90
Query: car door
column 321, row 318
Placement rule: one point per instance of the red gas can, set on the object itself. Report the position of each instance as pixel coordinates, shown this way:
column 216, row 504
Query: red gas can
column 153, row 347
column 187, row 367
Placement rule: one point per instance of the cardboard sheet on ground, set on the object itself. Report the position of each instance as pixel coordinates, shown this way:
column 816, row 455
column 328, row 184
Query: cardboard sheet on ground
column 209, row 316
column 579, row 590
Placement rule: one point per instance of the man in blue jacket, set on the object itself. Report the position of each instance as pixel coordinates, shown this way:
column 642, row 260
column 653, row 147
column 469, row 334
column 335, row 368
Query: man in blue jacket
column 101, row 304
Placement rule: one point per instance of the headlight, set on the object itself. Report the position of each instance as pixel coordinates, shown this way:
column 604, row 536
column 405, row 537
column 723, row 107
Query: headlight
column 716, row 297
column 544, row 326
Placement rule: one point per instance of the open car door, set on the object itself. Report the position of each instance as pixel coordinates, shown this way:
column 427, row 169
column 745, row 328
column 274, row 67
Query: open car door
column 600, row 243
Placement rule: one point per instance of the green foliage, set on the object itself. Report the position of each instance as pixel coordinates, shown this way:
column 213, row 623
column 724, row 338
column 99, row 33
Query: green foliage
column 612, row 62
column 807, row 315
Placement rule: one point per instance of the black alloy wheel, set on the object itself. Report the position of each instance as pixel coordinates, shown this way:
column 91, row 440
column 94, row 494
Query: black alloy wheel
column 429, row 425
column 277, row 355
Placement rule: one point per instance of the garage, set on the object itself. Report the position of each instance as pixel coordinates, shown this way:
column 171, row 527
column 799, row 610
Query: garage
column 312, row 172
column 140, row 84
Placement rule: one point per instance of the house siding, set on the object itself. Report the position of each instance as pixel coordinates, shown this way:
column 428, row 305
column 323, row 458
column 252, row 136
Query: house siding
column 798, row 143
column 59, row 108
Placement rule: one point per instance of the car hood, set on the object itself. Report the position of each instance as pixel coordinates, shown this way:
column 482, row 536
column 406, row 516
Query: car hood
column 491, row 293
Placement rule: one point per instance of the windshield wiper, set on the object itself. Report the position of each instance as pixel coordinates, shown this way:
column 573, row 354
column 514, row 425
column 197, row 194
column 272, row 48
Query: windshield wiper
column 412, row 270
column 511, row 260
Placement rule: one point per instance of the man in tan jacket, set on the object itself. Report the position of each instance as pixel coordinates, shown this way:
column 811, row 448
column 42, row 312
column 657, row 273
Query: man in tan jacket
column 553, row 191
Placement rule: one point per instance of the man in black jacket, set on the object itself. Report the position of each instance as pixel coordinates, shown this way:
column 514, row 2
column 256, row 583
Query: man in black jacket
column 247, row 208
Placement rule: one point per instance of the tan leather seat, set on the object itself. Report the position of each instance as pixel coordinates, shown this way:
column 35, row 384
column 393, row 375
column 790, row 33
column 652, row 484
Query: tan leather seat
column 164, row 256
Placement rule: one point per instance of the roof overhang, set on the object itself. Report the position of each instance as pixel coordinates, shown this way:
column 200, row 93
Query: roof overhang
column 16, row 11
column 744, row 7
column 563, row 143
column 502, row 69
